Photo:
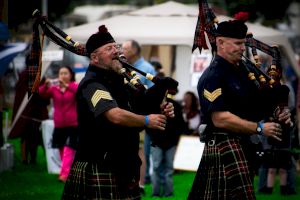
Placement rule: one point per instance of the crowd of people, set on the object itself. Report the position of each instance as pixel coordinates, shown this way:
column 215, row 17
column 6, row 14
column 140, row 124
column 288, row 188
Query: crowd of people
column 111, row 147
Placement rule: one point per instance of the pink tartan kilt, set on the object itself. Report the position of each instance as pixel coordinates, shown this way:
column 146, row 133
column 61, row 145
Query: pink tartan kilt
column 223, row 173
column 90, row 181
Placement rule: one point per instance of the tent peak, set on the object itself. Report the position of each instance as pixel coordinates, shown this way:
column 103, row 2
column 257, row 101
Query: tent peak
column 170, row 8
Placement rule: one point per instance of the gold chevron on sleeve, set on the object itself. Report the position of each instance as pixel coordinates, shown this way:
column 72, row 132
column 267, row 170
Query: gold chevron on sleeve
column 98, row 95
column 211, row 96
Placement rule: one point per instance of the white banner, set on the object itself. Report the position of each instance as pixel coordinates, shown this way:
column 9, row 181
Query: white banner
column 188, row 153
column 199, row 62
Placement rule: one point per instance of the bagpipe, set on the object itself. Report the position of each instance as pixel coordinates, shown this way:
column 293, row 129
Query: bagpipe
column 207, row 26
column 158, row 92
column 267, row 80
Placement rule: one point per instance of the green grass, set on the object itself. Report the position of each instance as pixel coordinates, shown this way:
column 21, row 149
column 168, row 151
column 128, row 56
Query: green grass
column 25, row 182
column 183, row 182
column 28, row 182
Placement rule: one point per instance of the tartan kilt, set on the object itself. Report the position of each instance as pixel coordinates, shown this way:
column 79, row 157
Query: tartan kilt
column 93, row 181
column 223, row 172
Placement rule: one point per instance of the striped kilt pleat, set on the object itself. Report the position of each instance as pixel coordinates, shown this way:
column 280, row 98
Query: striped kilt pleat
column 223, row 173
column 91, row 181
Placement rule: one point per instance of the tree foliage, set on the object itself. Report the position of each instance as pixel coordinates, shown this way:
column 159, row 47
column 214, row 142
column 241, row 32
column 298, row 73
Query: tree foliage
column 20, row 11
column 260, row 8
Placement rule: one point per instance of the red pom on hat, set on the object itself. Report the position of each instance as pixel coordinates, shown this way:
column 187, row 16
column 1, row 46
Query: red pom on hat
column 102, row 29
column 242, row 16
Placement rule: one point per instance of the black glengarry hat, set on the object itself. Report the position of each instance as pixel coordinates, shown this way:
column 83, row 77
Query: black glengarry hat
column 98, row 39
column 234, row 28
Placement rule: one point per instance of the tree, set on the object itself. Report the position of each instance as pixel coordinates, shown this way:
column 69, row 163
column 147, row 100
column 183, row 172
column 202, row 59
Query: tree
column 264, row 9
column 20, row 11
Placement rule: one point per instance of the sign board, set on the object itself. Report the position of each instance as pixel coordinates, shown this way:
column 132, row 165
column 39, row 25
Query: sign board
column 188, row 154
column 199, row 62
column 53, row 55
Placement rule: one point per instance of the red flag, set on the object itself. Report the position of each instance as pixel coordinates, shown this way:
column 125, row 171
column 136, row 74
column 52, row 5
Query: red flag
column 205, row 24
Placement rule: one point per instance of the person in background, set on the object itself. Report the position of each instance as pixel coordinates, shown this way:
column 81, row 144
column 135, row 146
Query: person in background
column 279, row 156
column 132, row 52
column 233, row 109
column 191, row 112
column 157, row 67
column 163, row 148
column 107, row 163
column 28, row 125
column 65, row 136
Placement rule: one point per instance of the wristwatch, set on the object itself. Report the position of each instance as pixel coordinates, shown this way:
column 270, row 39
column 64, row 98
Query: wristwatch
column 259, row 128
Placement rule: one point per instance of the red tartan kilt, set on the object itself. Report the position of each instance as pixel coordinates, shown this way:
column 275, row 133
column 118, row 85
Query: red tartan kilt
column 223, row 172
column 92, row 181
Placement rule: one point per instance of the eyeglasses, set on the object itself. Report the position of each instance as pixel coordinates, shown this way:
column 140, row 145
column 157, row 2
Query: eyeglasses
column 110, row 48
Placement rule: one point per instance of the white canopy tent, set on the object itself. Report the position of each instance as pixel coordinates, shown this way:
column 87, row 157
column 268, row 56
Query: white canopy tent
column 169, row 23
column 172, row 23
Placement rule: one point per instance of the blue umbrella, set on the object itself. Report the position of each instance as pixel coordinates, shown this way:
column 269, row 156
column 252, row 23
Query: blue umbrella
column 4, row 33
column 8, row 52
